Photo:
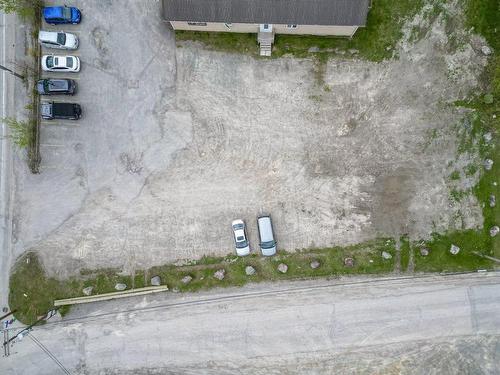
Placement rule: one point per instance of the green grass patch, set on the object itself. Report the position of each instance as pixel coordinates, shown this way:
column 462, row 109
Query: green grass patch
column 374, row 42
column 32, row 293
column 455, row 175
column 470, row 170
column 404, row 250
column 484, row 17
column 441, row 260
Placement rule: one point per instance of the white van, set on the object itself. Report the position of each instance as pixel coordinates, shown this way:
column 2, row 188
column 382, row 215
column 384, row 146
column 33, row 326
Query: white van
column 266, row 236
column 58, row 39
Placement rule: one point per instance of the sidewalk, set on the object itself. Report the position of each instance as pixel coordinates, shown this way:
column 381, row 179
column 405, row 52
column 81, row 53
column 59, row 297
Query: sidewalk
column 7, row 108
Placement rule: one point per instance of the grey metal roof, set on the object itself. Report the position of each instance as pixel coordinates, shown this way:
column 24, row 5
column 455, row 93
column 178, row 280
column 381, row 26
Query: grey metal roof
column 301, row 12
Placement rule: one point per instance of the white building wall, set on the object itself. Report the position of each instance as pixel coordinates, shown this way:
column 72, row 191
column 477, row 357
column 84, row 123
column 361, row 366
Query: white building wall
column 254, row 28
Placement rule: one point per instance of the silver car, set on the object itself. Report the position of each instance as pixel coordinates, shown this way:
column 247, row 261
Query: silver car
column 266, row 235
column 240, row 238
column 58, row 39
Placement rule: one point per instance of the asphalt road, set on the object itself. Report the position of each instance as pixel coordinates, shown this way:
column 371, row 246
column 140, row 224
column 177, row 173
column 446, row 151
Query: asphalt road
column 431, row 325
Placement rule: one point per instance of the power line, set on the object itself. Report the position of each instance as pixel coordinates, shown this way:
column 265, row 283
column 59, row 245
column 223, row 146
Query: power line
column 49, row 353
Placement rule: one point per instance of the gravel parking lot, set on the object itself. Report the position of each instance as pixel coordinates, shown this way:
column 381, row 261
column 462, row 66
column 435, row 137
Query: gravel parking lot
column 176, row 141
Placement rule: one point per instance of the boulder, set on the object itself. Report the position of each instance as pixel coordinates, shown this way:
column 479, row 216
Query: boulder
column 156, row 281
column 454, row 249
column 88, row 290
column 488, row 164
column 486, row 50
column 120, row 286
column 349, row 262
column 487, row 137
column 186, row 279
column 282, row 267
column 494, row 231
column 353, row 51
column 386, row 255
column 249, row 271
column 315, row 264
column 313, row 49
column 492, row 200
column 219, row 274
column 424, row 251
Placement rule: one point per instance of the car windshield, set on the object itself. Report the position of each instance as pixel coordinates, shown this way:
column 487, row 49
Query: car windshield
column 240, row 238
column 50, row 61
column 241, row 244
column 267, row 245
column 69, row 62
column 237, row 226
column 67, row 13
column 61, row 38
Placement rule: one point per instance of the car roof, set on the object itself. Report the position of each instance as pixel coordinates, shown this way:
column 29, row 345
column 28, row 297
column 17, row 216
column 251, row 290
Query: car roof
column 265, row 228
column 47, row 35
column 53, row 12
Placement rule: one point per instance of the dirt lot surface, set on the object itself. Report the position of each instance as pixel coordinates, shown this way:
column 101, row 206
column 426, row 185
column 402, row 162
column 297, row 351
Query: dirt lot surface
column 176, row 142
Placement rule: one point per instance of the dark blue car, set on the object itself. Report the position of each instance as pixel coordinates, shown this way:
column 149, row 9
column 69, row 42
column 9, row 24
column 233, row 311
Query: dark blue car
column 64, row 14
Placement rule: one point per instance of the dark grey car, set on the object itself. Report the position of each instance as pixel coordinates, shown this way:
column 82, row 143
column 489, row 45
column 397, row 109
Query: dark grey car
column 56, row 86
column 63, row 111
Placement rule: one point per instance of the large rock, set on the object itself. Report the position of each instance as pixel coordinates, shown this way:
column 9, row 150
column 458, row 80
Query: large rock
column 186, row 279
column 486, row 50
column 219, row 274
column 487, row 137
column 494, row 231
column 249, row 271
column 488, row 164
column 386, row 255
column 424, row 251
column 88, row 290
column 282, row 267
column 315, row 264
column 349, row 262
column 156, row 280
column 454, row 249
column 492, row 201
column 120, row 286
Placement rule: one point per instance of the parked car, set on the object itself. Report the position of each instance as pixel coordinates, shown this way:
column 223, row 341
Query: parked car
column 240, row 238
column 51, row 63
column 53, row 86
column 64, row 111
column 266, row 235
column 58, row 39
column 62, row 14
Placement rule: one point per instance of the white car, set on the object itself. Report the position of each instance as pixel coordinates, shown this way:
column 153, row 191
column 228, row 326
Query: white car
column 52, row 63
column 61, row 40
column 240, row 238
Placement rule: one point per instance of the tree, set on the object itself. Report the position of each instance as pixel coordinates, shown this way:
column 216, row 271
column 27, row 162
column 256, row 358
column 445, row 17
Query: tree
column 21, row 132
column 25, row 8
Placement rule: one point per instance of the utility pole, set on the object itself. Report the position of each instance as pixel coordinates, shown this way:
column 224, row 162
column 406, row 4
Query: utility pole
column 12, row 72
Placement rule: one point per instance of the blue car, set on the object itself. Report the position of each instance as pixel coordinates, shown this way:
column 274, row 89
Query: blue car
column 64, row 14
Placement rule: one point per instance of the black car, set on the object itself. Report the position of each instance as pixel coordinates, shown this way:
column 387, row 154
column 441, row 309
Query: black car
column 63, row 111
column 56, row 86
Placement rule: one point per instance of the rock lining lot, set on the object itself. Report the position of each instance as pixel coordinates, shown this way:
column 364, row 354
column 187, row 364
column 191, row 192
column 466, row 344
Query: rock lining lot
column 174, row 143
